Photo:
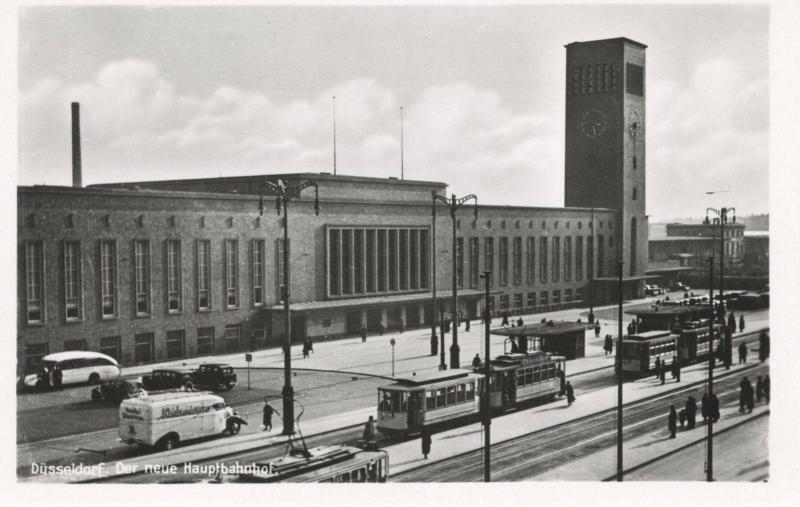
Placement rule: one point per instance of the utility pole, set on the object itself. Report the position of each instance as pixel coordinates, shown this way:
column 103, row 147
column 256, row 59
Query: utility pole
column 434, row 343
column 722, row 216
column 283, row 195
column 487, row 409
column 710, row 438
column 618, row 361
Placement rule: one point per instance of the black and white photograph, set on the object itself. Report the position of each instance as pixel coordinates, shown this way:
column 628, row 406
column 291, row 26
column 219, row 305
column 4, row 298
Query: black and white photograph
column 427, row 243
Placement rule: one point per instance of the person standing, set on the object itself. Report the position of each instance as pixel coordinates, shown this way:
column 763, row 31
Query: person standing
column 58, row 377
column 691, row 412
column 662, row 374
column 369, row 433
column 713, row 403
column 570, row 394
column 672, row 421
column 749, row 397
column 597, row 330
column 504, row 322
column 658, row 367
column 466, row 323
column 676, row 369
column 363, row 334
column 741, row 323
column 476, row 362
column 705, row 408
column 766, row 388
column 305, row 349
column 742, row 394
column 426, row 442
column 742, row 353
column 759, row 389
column 519, row 322
column 267, row 418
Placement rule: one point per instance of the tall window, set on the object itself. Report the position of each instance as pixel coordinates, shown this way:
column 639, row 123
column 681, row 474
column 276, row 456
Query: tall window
column 556, row 258
column 634, row 79
column 231, row 273
column 633, row 246
column 173, row 276
column 281, row 268
column 424, row 259
column 568, row 258
column 600, row 260
column 590, row 256
column 108, row 278
column 72, row 280
column 474, row 266
column 543, row 259
column 204, row 274
column 503, row 261
column 141, row 273
column 176, row 343
column 258, row 272
column 143, row 347
column 531, row 260
column 579, row 257
column 34, row 273
column 517, row 261
column 488, row 257
column 460, row 262
column 205, row 340
column 232, row 337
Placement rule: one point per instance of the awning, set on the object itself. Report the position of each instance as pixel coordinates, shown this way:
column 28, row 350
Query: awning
column 373, row 301
column 543, row 329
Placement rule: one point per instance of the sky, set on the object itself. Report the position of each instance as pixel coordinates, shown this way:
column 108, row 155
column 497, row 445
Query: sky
column 189, row 92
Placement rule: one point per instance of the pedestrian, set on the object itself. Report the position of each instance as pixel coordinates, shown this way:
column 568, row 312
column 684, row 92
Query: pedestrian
column 732, row 322
column 676, row 369
column 691, row 412
column 369, row 433
column 591, row 317
column 544, row 320
column 663, row 371
column 763, row 346
column 426, row 442
column 381, row 328
column 630, row 329
column 514, row 348
column 267, row 418
column 466, row 324
column 766, row 388
column 742, row 394
column 713, row 403
column 759, row 389
column 682, row 416
column 610, row 343
column 749, row 397
column 363, row 334
column 58, row 377
column 311, row 344
column 705, row 408
column 505, row 318
column 658, row 367
column 570, row 394
column 742, row 352
column 741, row 323
column 519, row 322
column 476, row 362
column 305, row 349
column 672, row 421
column 597, row 330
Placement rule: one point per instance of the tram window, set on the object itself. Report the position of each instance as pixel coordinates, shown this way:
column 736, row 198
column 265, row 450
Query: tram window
column 552, row 372
column 461, row 393
column 384, row 404
column 372, row 472
column 398, row 402
column 451, row 395
column 520, row 377
column 359, row 475
column 440, row 397
column 430, row 400
column 471, row 391
column 528, row 375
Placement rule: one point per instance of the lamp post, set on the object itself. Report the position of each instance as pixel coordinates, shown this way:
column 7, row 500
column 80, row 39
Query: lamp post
column 487, row 409
column 591, row 262
column 284, row 194
column 442, row 364
column 434, row 343
column 454, row 204
column 710, row 437
column 618, row 363
column 722, row 218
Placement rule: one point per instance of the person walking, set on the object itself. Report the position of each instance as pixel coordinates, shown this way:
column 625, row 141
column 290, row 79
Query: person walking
column 369, row 433
column 742, row 394
column 741, row 323
column 759, row 389
column 476, row 362
column 519, row 322
column 597, row 330
column 705, row 408
column 713, row 403
column 267, row 418
column 662, row 374
column 58, row 377
column 732, row 322
column 466, row 324
column 570, row 394
column 672, row 421
column 766, row 388
column 763, row 346
column 691, row 412
column 426, row 442
column 363, row 334
column 749, row 397
column 504, row 322
column 676, row 369
column 742, row 353
column 658, row 367
column 305, row 349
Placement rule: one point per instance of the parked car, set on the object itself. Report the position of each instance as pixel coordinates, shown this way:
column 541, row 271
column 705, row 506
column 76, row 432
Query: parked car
column 682, row 287
column 169, row 378
column 653, row 290
column 77, row 366
column 215, row 376
column 116, row 390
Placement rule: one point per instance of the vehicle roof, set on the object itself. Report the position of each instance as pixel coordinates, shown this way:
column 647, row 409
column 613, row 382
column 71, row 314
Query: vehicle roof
column 431, row 379
column 76, row 354
column 651, row 335
column 173, row 397
column 178, row 369
column 221, row 365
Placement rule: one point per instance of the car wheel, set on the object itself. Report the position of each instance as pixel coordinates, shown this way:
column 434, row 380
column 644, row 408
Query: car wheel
column 228, row 387
column 168, row 443
column 96, row 396
column 189, row 386
column 234, row 427
column 94, row 378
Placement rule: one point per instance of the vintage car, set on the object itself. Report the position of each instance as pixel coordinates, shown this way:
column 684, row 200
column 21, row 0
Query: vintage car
column 169, row 378
column 76, row 367
column 116, row 390
column 215, row 376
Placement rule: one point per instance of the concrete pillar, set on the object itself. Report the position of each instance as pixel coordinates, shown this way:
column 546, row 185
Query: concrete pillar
column 421, row 315
column 363, row 318
column 384, row 317
column 403, row 316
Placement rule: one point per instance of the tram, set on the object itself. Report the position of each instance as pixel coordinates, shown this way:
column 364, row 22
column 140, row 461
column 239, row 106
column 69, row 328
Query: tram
column 331, row 463
column 423, row 401
column 696, row 340
column 639, row 351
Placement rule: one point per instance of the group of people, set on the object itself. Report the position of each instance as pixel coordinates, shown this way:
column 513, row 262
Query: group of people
column 747, row 396
column 608, row 344
column 661, row 369
column 633, row 327
column 50, row 378
column 505, row 322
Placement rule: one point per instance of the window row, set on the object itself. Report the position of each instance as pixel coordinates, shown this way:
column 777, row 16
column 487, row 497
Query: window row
column 141, row 269
column 532, row 300
column 373, row 260
column 535, row 374
column 597, row 78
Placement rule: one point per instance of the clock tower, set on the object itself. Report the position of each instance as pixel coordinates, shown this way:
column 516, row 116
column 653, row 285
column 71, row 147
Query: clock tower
column 605, row 147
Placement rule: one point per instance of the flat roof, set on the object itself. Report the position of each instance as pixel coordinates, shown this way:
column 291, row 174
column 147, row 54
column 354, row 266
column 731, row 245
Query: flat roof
column 613, row 39
column 668, row 310
column 543, row 329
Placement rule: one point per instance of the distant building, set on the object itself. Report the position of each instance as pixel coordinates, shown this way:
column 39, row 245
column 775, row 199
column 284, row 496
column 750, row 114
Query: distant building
column 756, row 253
column 689, row 245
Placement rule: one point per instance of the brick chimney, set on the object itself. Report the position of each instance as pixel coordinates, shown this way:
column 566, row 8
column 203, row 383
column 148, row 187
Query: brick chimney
column 76, row 145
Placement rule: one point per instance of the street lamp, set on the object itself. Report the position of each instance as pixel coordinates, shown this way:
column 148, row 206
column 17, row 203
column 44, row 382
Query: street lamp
column 433, row 275
column 487, row 409
column 454, row 204
column 711, row 410
column 591, row 261
column 442, row 364
column 722, row 219
column 618, row 364
column 284, row 194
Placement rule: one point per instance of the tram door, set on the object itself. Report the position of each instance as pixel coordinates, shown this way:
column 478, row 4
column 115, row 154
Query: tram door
column 414, row 414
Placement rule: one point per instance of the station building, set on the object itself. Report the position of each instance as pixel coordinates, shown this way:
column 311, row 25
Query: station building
column 155, row 270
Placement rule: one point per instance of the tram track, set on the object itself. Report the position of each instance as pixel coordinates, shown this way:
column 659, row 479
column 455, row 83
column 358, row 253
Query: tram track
column 528, row 455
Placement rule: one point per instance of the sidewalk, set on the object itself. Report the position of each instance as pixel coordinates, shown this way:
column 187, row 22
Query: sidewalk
column 450, row 443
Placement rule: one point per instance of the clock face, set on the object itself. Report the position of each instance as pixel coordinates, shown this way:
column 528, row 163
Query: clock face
column 634, row 123
column 593, row 123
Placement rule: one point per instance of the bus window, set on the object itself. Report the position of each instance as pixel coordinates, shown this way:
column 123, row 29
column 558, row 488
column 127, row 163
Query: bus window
column 461, row 393
column 440, row 397
column 471, row 391
column 430, row 400
column 451, row 395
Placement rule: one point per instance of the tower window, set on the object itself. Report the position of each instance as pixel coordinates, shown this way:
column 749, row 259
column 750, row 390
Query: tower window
column 634, row 161
column 634, row 79
column 634, row 193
